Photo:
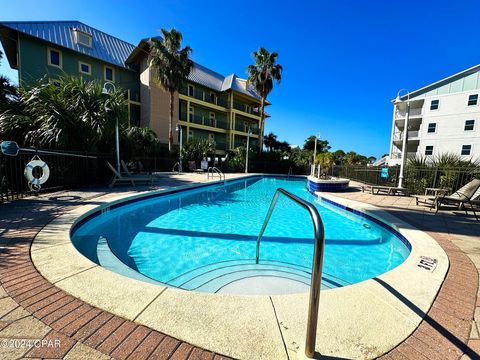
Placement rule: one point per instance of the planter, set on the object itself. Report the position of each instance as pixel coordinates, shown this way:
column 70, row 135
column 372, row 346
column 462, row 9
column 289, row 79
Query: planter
column 328, row 185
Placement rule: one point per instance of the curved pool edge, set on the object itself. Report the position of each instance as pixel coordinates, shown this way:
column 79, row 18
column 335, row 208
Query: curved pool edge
column 363, row 320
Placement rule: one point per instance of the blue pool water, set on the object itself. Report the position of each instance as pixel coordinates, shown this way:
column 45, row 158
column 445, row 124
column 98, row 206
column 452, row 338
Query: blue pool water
column 204, row 239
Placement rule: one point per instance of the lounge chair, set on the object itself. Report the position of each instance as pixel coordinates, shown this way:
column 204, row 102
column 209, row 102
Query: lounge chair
column 389, row 190
column 461, row 197
column 119, row 178
column 128, row 173
column 193, row 167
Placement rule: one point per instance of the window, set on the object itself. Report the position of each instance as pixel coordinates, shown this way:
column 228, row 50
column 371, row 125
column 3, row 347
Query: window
column 191, row 90
column 248, row 109
column 109, row 73
column 432, row 127
column 212, row 119
column 213, row 98
column 211, row 137
column 190, row 134
column 246, row 125
column 434, row 104
column 466, row 149
column 469, row 125
column 429, row 150
column 190, row 114
column 84, row 68
column 54, row 58
column 473, row 100
column 82, row 38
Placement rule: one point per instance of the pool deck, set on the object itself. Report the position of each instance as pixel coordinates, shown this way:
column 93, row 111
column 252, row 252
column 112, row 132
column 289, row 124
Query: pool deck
column 33, row 308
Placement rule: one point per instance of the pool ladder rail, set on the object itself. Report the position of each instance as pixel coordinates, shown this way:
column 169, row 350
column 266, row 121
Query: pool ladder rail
column 176, row 165
column 319, row 245
column 214, row 170
column 290, row 172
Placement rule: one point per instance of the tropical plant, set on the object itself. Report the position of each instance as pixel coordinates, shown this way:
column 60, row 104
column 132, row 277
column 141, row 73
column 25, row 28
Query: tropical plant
column 261, row 76
column 138, row 142
column 198, row 149
column 8, row 93
column 171, row 65
column 326, row 160
column 70, row 114
column 236, row 158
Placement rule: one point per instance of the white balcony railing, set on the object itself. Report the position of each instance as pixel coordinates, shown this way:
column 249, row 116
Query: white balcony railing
column 410, row 155
column 411, row 135
column 413, row 112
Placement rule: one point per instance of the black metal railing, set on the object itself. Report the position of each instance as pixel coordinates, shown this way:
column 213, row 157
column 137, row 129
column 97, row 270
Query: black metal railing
column 67, row 170
column 416, row 179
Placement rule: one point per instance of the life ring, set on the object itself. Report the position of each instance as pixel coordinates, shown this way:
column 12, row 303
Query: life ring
column 29, row 172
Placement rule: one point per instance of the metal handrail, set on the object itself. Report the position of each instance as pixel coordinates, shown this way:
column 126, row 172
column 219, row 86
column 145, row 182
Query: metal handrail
column 177, row 164
column 290, row 172
column 319, row 245
column 216, row 170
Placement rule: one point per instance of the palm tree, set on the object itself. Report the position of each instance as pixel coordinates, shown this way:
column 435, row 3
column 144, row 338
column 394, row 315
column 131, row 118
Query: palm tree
column 270, row 141
column 171, row 65
column 261, row 76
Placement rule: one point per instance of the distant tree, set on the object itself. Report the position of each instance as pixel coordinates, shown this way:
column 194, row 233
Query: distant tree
column 352, row 158
column 261, row 76
column 339, row 156
column 198, row 149
column 270, row 141
column 371, row 159
column 385, row 155
column 284, row 146
column 322, row 145
column 171, row 65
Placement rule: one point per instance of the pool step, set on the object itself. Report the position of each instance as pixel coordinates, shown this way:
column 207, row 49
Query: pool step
column 213, row 277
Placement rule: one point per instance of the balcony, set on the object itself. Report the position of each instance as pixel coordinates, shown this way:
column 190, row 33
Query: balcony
column 412, row 135
column 206, row 97
column 246, row 108
column 242, row 128
column 417, row 112
column 410, row 155
column 204, row 120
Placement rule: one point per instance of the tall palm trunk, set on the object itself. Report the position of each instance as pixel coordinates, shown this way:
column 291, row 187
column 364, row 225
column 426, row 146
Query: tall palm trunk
column 170, row 122
column 262, row 122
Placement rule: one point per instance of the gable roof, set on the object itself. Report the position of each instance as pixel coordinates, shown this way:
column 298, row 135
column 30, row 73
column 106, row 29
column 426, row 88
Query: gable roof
column 104, row 47
column 449, row 80
column 202, row 75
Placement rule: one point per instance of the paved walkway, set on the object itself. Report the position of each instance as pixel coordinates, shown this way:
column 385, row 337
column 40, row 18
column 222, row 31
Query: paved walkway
column 450, row 330
column 33, row 309
column 38, row 320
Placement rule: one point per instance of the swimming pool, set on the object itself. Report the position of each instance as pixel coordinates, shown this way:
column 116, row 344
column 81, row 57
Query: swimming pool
column 204, row 240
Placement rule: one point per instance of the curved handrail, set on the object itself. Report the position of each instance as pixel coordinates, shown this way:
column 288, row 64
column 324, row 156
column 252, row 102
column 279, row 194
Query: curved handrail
column 319, row 245
column 290, row 172
column 216, row 170
column 177, row 164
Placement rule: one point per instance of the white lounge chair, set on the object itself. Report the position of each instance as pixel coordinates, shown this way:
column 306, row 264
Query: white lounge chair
column 119, row 178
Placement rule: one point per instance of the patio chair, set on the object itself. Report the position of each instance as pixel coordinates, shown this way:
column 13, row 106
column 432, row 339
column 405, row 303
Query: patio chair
column 389, row 190
column 119, row 178
column 461, row 197
column 126, row 171
column 193, row 167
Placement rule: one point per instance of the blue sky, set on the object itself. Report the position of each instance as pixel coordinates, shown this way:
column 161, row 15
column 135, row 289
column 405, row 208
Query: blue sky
column 343, row 60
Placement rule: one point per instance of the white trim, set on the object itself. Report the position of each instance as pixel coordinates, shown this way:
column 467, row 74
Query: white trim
column 60, row 58
column 80, row 63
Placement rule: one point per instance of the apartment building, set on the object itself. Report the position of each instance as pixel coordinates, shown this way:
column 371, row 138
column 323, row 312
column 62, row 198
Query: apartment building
column 211, row 106
column 444, row 118
column 222, row 109
column 54, row 48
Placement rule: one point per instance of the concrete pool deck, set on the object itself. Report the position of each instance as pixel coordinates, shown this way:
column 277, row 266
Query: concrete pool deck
column 36, row 293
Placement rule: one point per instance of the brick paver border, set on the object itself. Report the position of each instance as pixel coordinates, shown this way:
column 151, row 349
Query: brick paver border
column 445, row 332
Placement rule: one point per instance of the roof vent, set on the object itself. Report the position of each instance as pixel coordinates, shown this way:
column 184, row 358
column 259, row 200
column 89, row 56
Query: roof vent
column 82, row 38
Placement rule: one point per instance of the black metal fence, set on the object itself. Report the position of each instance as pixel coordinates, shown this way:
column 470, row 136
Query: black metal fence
column 67, row 170
column 416, row 179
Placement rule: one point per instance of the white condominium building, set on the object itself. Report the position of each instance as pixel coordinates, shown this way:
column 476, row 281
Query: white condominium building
column 444, row 118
